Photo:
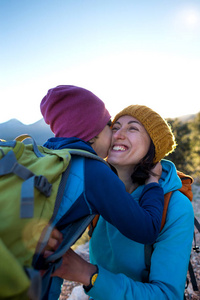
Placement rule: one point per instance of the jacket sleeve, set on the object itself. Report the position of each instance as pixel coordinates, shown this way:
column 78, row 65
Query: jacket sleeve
column 169, row 262
column 106, row 195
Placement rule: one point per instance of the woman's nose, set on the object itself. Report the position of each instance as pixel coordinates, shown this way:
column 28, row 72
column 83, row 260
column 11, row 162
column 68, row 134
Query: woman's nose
column 119, row 134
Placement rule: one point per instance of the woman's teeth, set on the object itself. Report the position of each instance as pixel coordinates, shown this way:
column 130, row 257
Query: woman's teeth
column 119, row 148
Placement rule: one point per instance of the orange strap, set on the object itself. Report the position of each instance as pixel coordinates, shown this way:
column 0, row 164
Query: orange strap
column 187, row 182
column 166, row 203
column 186, row 189
column 92, row 225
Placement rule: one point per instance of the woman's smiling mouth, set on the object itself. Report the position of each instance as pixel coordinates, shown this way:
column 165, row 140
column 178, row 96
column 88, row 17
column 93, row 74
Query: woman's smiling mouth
column 119, row 148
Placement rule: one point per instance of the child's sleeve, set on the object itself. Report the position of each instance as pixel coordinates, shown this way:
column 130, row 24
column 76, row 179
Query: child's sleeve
column 107, row 196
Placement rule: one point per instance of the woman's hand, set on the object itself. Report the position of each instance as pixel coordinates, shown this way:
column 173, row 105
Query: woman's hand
column 74, row 268
column 156, row 174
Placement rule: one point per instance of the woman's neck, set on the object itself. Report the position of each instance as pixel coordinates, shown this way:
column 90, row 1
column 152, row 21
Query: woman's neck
column 125, row 176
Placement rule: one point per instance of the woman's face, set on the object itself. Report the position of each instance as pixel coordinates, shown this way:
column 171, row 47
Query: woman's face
column 130, row 142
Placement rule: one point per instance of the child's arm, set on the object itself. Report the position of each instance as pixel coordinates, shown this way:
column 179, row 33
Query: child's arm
column 137, row 218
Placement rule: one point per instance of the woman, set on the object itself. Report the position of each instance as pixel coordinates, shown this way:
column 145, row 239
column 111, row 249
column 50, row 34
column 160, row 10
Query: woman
column 117, row 263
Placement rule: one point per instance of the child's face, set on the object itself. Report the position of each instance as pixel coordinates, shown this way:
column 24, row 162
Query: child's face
column 101, row 144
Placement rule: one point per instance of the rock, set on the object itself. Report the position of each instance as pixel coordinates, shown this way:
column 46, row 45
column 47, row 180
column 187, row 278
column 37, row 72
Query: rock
column 78, row 294
column 83, row 251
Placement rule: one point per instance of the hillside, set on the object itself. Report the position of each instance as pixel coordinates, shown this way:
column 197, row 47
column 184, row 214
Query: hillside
column 40, row 131
column 186, row 118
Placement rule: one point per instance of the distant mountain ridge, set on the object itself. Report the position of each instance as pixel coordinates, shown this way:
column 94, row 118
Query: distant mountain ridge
column 185, row 118
column 40, row 131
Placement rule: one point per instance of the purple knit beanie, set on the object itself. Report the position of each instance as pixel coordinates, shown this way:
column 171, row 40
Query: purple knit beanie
column 72, row 111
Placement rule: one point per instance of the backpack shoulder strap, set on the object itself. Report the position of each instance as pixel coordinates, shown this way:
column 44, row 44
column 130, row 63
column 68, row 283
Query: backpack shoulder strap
column 187, row 182
column 166, row 203
column 92, row 225
column 86, row 154
column 186, row 189
column 148, row 248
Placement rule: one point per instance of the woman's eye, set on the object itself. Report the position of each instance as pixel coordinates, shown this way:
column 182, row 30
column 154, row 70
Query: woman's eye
column 115, row 129
column 133, row 128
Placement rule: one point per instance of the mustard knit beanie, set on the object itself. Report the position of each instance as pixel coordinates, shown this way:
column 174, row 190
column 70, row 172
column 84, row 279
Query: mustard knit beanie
column 158, row 129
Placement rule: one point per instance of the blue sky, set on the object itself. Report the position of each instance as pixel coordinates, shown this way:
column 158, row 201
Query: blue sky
column 126, row 52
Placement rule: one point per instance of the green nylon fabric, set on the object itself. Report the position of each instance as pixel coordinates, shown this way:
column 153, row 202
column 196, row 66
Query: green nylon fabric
column 19, row 237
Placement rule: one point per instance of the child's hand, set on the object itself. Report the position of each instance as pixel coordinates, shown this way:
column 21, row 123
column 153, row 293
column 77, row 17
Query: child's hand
column 54, row 241
column 156, row 173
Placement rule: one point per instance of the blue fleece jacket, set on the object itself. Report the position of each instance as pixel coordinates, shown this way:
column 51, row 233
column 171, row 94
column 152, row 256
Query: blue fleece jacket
column 121, row 261
column 103, row 193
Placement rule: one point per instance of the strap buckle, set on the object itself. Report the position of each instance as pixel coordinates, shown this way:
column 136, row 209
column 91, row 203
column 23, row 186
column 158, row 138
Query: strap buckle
column 41, row 184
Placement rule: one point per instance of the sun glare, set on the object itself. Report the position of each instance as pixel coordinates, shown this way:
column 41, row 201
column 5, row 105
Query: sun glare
column 189, row 18
column 192, row 18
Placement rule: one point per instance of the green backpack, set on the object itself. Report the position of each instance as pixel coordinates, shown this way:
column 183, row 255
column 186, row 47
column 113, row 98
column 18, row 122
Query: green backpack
column 32, row 182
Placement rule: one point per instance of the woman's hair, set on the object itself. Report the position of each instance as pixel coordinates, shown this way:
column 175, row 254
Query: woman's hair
column 142, row 170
